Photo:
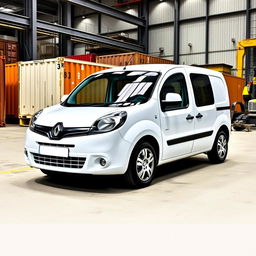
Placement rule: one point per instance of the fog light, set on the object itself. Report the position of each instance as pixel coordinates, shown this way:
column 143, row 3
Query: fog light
column 26, row 152
column 103, row 162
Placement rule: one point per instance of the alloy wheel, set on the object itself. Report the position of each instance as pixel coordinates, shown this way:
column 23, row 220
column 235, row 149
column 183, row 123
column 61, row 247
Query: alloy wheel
column 145, row 164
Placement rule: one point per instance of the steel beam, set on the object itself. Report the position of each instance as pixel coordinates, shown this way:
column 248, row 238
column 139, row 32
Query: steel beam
column 176, row 31
column 143, row 32
column 31, row 12
column 109, row 11
column 99, row 21
column 65, row 42
column 14, row 20
column 207, row 32
column 87, row 36
column 248, row 35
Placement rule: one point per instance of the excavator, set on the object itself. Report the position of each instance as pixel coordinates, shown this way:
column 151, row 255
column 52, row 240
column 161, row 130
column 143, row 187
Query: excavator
column 247, row 117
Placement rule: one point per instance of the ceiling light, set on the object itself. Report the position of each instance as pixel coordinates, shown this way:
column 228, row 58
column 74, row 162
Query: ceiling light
column 8, row 10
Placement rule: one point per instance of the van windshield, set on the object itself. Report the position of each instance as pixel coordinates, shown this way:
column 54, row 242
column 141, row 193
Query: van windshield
column 120, row 88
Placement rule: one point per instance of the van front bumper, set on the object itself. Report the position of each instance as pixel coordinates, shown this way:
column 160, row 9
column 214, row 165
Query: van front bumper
column 100, row 154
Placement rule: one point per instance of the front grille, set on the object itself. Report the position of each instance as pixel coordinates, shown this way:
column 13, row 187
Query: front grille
column 252, row 106
column 67, row 162
column 40, row 129
column 67, row 131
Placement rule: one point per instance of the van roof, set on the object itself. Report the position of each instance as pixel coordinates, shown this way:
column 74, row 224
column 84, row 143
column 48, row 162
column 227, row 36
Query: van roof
column 160, row 68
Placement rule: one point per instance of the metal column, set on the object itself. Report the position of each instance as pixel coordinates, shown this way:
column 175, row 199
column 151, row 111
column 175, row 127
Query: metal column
column 66, row 48
column 99, row 21
column 143, row 33
column 31, row 33
column 176, row 31
column 207, row 33
column 248, row 35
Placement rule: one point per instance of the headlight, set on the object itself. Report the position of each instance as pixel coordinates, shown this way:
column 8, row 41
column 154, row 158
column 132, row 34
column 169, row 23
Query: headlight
column 109, row 122
column 34, row 118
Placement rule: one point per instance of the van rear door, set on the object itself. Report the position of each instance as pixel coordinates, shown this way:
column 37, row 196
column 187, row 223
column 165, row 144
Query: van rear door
column 205, row 112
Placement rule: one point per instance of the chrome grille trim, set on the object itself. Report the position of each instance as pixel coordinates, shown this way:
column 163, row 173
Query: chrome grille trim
column 67, row 162
column 56, row 145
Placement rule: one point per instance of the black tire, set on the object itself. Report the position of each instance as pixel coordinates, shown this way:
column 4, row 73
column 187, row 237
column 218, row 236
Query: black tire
column 219, row 150
column 238, row 128
column 142, row 165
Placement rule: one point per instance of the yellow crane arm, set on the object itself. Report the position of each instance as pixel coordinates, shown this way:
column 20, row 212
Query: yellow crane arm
column 241, row 45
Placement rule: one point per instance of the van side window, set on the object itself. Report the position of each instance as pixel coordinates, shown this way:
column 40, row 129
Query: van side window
column 202, row 89
column 175, row 84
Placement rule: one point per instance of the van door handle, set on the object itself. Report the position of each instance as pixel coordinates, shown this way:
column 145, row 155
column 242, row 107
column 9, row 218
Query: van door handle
column 199, row 115
column 189, row 117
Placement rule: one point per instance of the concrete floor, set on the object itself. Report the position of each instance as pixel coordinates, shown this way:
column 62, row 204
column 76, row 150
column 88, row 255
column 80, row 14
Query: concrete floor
column 187, row 191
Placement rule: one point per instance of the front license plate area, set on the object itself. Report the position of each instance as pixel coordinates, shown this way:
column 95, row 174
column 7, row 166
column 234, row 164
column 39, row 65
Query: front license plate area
column 54, row 151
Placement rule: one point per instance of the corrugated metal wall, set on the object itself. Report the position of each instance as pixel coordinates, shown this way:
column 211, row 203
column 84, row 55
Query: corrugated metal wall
column 161, row 37
column 88, row 24
column 192, row 9
column 198, row 59
column 253, row 24
column 160, row 12
column 253, row 4
column 109, row 24
column 221, row 6
column 222, row 31
column 192, row 37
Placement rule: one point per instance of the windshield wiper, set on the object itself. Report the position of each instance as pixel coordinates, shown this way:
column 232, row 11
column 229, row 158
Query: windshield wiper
column 124, row 103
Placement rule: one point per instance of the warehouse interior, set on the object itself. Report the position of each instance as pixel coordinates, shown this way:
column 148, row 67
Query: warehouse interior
column 48, row 29
column 46, row 44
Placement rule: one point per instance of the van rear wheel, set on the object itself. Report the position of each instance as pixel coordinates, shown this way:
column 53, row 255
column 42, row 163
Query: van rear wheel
column 219, row 150
column 142, row 166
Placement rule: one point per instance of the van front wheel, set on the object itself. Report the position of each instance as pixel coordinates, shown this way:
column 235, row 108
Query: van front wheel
column 142, row 166
column 219, row 150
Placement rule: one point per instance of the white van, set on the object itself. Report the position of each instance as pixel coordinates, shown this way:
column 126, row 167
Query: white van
column 128, row 120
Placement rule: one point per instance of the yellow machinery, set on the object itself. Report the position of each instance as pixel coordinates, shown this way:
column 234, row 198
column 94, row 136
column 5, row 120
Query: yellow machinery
column 248, row 117
column 242, row 45
column 241, row 52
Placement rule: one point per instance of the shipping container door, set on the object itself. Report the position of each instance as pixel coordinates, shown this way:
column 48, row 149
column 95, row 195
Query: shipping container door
column 12, row 90
column 39, row 85
column 2, row 91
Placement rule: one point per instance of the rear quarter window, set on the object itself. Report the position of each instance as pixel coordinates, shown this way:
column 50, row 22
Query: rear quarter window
column 219, row 89
column 202, row 90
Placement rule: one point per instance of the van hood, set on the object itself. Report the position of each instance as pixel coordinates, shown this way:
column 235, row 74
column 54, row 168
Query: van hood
column 73, row 116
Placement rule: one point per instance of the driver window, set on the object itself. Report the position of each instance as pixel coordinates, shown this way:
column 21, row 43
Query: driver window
column 175, row 84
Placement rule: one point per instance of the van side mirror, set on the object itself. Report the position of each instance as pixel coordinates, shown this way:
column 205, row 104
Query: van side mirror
column 171, row 101
column 63, row 98
column 172, row 98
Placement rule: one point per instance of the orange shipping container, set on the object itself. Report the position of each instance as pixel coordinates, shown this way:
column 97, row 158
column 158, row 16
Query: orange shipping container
column 131, row 58
column 75, row 71
column 235, row 88
column 12, row 90
column 9, row 49
column 2, row 91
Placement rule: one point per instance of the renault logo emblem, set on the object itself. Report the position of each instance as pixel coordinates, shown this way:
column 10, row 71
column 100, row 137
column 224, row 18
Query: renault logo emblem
column 57, row 130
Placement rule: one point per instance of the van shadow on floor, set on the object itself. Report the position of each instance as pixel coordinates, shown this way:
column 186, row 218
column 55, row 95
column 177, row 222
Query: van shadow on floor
column 115, row 184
